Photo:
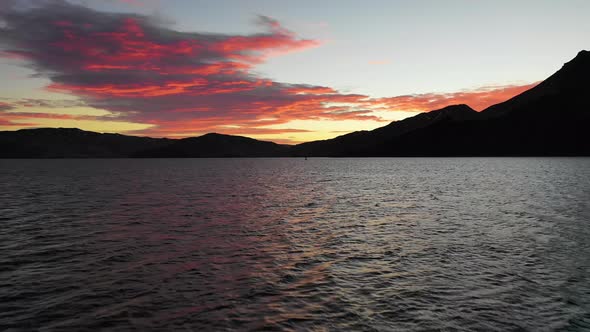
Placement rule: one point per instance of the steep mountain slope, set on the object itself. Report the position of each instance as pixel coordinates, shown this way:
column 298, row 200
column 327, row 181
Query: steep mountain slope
column 365, row 142
column 550, row 119
column 570, row 82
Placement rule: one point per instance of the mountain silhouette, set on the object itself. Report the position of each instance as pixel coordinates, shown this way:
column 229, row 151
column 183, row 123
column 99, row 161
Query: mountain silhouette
column 71, row 143
column 365, row 143
column 549, row 119
column 76, row 143
column 216, row 145
column 570, row 81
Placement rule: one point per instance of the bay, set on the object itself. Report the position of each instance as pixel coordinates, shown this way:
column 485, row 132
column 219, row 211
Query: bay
column 384, row 244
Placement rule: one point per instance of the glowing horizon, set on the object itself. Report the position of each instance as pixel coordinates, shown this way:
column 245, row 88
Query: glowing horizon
column 129, row 72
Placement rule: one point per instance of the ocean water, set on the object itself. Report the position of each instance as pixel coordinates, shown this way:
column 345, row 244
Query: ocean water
column 392, row 244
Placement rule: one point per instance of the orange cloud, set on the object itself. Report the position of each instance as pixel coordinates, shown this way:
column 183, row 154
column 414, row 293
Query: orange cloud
column 5, row 106
column 25, row 119
column 478, row 99
column 184, row 83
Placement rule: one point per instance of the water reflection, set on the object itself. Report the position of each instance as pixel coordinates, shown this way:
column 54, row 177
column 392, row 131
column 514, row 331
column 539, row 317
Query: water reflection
column 345, row 244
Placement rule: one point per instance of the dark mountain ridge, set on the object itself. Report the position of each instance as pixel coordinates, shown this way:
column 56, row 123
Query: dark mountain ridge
column 363, row 143
column 550, row 119
column 215, row 145
column 76, row 143
column 572, row 79
column 72, row 143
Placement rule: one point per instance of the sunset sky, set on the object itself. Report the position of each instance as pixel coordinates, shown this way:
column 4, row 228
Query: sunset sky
column 285, row 71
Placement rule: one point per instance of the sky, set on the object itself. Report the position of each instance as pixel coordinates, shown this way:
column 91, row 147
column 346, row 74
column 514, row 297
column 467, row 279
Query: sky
column 283, row 71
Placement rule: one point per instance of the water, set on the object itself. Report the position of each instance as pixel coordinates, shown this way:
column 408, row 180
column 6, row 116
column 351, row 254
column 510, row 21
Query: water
column 288, row 244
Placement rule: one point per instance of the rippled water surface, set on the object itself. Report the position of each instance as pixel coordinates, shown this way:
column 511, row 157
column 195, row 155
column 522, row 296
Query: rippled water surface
column 289, row 244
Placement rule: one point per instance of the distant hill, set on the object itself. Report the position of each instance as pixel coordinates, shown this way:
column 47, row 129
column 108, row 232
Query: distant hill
column 72, row 143
column 550, row 119
column 76, row 143
column 215, row 145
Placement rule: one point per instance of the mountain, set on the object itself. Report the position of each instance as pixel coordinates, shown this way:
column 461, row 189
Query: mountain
column 550, row 119
column 76, row 143
column 364, row 143
column 216, row 145
column 570, row 81
column 71, row 143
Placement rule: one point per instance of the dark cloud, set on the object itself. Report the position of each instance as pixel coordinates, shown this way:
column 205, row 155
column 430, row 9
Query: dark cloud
column 142, row 70
column 146, row 71
column 43, row 103
column 5, row 106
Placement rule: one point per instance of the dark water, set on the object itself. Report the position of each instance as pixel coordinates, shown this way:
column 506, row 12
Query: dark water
column 288, row 244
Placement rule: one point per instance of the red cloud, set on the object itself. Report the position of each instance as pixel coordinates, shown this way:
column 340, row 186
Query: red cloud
column 5, row 106
column 192, row 65
column 27, row 119
column 478, row 99
column 184, row 83
column 17, row 55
